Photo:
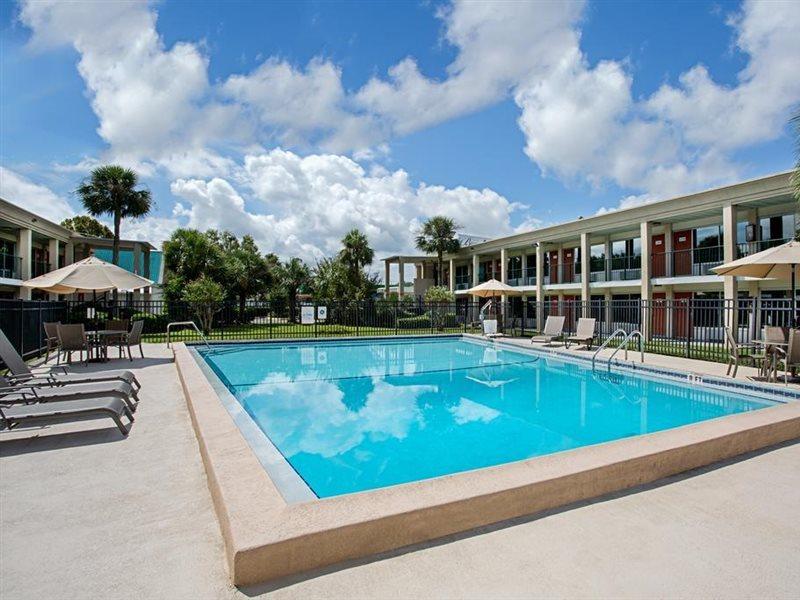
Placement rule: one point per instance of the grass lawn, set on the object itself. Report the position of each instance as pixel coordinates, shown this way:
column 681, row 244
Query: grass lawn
column 293, row 330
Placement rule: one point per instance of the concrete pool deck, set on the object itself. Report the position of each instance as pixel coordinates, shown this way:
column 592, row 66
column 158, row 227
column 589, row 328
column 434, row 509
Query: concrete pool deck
column 87, row 513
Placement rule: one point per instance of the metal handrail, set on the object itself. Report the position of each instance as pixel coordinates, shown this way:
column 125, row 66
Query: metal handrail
column 624, row 344
column 194, row 325
column 607, row 342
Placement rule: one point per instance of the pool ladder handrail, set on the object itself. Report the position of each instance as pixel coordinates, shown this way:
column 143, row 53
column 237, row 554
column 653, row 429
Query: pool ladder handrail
column 606, row 343
column 623, row 344
column 632, row 334
column 194, row 325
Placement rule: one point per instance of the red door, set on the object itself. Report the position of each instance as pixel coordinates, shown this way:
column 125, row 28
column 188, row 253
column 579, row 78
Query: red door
column 659, row 315
column 682, row 253
column 554, row 267
column 681, row 315
column 659, row 257
column 568, row 271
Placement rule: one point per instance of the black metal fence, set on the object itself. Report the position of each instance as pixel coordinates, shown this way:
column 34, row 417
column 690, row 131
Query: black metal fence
column 693, row 328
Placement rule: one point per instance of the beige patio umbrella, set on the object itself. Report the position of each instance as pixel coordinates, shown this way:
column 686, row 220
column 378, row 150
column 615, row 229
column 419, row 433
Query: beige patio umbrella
column 779, row 262
column 493, row 288
column 88, row 275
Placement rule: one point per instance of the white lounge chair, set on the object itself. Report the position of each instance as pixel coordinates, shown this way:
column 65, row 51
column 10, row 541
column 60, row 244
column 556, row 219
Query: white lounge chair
column 584, row 333
column 553, row 329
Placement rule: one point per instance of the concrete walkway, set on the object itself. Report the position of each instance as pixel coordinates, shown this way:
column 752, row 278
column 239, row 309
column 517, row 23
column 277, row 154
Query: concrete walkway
column 86, row 513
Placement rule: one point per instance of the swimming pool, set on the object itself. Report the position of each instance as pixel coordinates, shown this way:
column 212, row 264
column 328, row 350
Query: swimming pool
column 350, row 416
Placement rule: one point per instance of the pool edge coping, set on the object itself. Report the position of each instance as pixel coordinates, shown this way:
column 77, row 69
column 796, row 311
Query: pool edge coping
column 266, row 538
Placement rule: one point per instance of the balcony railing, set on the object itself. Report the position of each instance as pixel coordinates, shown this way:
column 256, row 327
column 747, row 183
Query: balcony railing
column 10, row 266
column 617, row 268
column 748, row 248
column 462, row 285
column 683, row 263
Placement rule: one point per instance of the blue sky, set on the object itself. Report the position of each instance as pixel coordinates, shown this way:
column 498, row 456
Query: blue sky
column 296, row 121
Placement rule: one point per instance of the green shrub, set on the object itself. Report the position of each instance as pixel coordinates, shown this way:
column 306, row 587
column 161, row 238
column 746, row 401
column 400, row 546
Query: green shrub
column 420, row 322
column 153, row 323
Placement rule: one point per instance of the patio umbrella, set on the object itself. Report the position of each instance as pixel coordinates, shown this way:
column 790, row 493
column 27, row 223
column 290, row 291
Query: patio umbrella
column 88, row 275
column 492, row 288
column 779, row 262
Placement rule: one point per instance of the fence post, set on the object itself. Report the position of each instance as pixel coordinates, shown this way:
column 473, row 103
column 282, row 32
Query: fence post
column 358, row 314
column 396, row 316
column 687, row 319
column 22, row 327
column 39, row 332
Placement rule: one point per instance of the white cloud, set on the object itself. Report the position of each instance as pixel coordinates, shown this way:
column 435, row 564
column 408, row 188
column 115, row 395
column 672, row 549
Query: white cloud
column 151, row 101
column 33, row 197
column 303, row 206
column 499, row 43
column 582, row 122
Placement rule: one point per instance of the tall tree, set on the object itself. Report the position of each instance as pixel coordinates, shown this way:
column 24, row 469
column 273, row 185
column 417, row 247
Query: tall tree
column 294, row 275
column 190, row 254
column 86, row 225
column 356, row 252
column 247, row 272
column 111, row 190
column 437, row 236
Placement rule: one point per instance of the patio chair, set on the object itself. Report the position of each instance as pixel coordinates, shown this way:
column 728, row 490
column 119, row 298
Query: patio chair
column 776, row 335
column 553, row 329
column 791, row 356
column 120, row 325
column 70, row 410
column 26, row 392
column 72, row 338
column 134, row 338
column 51, row 339
column 584, row 333
column 21, row 372
column 738, row 353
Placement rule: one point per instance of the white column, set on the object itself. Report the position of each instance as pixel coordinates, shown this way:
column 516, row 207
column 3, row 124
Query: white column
column 607, row 251
column 539, row 286
column 69, row 254
column 386, row 278
column 401, row 279
column 475, row 269
column 25, row 251
column 647, row 287
column 730, row 286
column 452, row 274
column 524, row 267
column 503, row 276
column 52, row 255
column 585, row 254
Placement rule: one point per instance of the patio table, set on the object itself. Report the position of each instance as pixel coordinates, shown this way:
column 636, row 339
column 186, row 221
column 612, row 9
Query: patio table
column 772, row 375
column 98, row 343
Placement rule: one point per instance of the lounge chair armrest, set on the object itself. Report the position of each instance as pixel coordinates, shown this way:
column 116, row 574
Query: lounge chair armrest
column 61, row 368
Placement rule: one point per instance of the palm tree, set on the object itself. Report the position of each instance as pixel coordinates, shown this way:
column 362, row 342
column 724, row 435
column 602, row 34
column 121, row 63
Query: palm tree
column 110, row 189
column 293, row 275
column 356, row 253
column 438, row 235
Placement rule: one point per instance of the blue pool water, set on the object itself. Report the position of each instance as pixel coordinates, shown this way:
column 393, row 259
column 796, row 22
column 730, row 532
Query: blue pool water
column 357, row 415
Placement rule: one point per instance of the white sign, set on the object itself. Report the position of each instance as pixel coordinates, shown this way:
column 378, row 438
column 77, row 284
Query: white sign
column 322, row 313
column 307, row 315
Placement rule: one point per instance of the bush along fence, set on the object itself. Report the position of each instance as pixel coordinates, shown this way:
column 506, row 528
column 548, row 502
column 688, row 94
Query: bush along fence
column 692, row 328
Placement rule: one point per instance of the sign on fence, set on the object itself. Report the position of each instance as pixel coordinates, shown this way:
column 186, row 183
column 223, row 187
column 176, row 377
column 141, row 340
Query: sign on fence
column 307, row 315
column 322, row 313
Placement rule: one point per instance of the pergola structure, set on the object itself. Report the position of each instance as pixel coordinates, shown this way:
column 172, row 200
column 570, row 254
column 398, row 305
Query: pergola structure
column 425, row 269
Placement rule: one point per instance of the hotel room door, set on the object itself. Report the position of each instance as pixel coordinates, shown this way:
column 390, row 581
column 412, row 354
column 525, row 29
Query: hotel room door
column 659, row 264
column 682, row 253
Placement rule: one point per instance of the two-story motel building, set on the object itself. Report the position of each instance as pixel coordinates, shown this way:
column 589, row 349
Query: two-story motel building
column 663, row 250
column 30, row 246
